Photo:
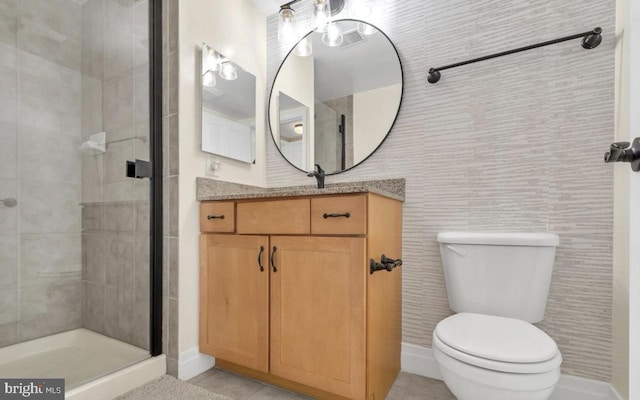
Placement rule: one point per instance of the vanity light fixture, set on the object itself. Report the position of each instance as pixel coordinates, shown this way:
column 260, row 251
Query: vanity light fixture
column 321, row 14
column 361, row 8
column 323, row 10
column 286, row 24
column 298, row 128
column 228, row 70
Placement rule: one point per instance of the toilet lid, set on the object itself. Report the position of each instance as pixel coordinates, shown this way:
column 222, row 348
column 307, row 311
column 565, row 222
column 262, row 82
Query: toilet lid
column 496, row 338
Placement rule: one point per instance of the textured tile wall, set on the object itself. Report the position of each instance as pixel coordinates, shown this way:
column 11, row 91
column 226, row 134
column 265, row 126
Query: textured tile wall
column 40, row 268
column 170, row 174
column 115, row 216
column 115, row 273
column 513, row 144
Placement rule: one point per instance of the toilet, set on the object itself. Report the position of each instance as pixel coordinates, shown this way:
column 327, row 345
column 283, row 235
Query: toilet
column 497, row 283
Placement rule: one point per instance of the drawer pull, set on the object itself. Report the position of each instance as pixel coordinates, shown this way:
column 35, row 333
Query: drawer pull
column 210, row 217
column 385, row 263
column 346, row 215
column 273, row 264
column 260, row 259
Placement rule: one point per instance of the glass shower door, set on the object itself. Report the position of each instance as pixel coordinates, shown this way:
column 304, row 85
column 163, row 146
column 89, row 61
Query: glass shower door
column 74, row 229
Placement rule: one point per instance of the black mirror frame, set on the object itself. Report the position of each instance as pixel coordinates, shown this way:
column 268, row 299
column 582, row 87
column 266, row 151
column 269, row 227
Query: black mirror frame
column 390, row 127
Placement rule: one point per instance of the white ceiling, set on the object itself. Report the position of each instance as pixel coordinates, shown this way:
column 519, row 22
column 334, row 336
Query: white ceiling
column 268, row 7
column 341, row 71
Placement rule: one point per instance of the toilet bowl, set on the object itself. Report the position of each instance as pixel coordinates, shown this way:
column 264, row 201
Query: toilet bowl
column 498, row 284
column 484, row 357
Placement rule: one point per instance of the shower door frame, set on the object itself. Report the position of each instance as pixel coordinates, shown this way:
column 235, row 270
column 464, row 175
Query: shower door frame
column 155, row 155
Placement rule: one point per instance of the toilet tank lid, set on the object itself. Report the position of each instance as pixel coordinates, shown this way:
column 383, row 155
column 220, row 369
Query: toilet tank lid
column 500, row 239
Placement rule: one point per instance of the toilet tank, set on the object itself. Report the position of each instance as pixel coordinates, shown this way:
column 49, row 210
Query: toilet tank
column 504, row 274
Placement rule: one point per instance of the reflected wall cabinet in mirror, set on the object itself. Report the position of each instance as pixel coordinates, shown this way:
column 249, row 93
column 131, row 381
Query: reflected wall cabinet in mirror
column 228, row 108
column 335, row 98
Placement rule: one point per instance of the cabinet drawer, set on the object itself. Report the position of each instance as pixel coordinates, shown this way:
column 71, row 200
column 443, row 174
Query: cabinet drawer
column 274, row 217
column 217, row 217
column 339, row 215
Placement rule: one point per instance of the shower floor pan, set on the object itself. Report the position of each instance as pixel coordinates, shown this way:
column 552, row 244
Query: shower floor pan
column 79, row 356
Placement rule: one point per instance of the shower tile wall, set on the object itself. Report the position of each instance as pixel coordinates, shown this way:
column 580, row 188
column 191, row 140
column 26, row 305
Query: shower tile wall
column 344, row 106
column 328, row 151
column 40, row 263
column 324, row 145
column 115, row 213
column 509, row 144
column 170, row 173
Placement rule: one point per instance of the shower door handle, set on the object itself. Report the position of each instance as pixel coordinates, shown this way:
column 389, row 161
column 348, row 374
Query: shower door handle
column 139, row 169
column 625, row 152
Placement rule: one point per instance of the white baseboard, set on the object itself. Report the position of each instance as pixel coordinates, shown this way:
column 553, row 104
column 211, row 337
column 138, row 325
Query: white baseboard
column 192, row 363
column 419, row 360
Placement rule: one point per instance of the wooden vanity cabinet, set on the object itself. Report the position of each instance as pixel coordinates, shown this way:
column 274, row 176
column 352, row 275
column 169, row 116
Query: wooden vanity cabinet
column 234, row 299
column 313, row 319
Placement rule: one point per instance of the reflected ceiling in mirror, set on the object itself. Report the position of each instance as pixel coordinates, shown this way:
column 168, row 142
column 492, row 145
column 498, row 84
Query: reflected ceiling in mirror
column 347, row 83
column 228, row 107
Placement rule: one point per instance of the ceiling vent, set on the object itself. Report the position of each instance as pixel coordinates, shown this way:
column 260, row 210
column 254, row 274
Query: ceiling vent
column 352, row 38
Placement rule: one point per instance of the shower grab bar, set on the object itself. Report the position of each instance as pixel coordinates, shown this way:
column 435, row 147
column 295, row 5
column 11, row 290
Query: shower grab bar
column 143, row 139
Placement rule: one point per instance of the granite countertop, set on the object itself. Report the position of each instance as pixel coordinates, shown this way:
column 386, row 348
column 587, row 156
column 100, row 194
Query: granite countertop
column 211, row 189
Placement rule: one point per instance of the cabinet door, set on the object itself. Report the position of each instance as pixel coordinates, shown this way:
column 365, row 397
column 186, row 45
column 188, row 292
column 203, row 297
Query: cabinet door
column 234, row 299
column 317, row 313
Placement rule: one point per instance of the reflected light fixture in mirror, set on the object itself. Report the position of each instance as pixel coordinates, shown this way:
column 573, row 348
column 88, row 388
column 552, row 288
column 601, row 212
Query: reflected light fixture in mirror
column 210, row 62
column 304, row 48
column 333, row 36
column 365, row 29
column 209, row 79
column 298, row 128
column 211, row 58
column 228, row 70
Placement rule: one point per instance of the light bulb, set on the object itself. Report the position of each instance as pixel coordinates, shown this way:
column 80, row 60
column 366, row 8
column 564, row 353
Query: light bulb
column 304, row 48
column 321, row 14
column 332, row 36
column 209, row 79
column 361, row 8
column 298, row 128
column 365, row 29
column 228, row 70
column 286, row 25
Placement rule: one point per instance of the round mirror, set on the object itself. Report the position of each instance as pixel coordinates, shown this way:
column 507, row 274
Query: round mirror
column 336, row 97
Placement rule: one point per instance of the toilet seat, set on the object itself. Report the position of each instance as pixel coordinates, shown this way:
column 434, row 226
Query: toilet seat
column 497, row 343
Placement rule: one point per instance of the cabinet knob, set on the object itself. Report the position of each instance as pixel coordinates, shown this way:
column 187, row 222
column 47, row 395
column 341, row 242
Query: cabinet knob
column 210, row 217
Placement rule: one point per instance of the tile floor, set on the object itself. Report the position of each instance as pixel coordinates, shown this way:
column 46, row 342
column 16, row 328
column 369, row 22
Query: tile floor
column 406, row 387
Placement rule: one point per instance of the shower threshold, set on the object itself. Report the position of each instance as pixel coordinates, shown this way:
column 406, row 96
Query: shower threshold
column 79, row 356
